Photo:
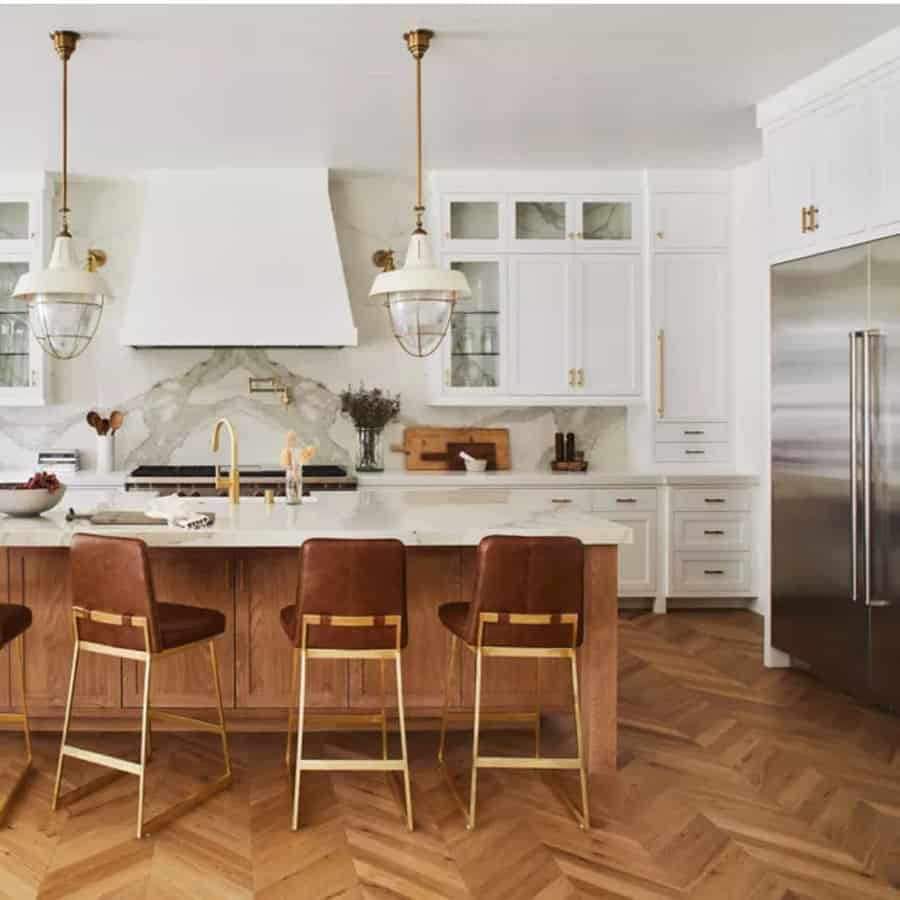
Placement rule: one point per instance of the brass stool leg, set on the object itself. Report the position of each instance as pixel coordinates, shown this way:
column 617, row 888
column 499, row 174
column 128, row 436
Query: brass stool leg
column 537, row 714
column 384, row 742
column 450, row 658
column 301, row 703
column 215, row 676
column 295, row 674
column 145, row 727
column 406, row 786
column 586, row 811
column 66, row 721
column 470, row 825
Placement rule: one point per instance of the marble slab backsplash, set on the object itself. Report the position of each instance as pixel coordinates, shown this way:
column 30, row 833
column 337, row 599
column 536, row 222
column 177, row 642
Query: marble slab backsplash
column 171, row 398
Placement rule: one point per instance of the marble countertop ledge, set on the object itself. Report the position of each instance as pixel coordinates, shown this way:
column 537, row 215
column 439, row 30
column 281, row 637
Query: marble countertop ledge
column 419, row 519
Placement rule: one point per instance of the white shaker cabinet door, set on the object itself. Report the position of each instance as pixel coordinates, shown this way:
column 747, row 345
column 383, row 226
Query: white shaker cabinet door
column 540, row 324
column 608, row 324
column 843, row 171
column 789, row 151
column 885, row 99
column 690, row 302
column 690, row 221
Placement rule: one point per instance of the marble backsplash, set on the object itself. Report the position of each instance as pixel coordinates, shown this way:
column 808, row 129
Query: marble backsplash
column 172, row 397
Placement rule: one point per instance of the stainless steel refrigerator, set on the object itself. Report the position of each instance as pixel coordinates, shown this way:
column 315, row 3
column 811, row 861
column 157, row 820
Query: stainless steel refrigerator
column 836, row 466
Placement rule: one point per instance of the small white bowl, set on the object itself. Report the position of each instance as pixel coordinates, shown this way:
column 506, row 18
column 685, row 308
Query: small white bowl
column 475, row 465
column 21, row 502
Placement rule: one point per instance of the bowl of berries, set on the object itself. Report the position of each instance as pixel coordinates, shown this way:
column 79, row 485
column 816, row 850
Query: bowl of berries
column 31, row 498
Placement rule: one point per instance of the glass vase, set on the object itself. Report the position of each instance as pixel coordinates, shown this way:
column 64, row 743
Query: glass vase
column 293, row 485
column 369, row 450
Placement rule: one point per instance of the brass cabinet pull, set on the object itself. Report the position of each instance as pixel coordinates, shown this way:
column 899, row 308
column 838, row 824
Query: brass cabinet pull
column 561, row 500
column 579, row 236
column 581, row 378
column 695, row 452
column 661, row 382
column 804, row 213
column 713, row 531
column 713, row 499
column 626, row 500
column 571, row 378
column 694, row 431
column 813, row 218
column 447, row 377
column 660, row 235
column 571, row 235
column 713, row 571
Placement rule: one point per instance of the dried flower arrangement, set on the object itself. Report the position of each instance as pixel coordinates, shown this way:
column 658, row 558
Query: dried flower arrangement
column 372, row 409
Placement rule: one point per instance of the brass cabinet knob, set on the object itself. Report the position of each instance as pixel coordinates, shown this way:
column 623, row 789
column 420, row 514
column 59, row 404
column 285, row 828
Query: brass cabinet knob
column 579, row 236
column 659, row 235
column 571, row 235
column 581, row 378
column 571, row 378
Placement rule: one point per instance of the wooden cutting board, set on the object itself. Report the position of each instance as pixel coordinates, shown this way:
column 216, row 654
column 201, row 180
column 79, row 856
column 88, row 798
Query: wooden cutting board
column 422, row 439
column 126, row 517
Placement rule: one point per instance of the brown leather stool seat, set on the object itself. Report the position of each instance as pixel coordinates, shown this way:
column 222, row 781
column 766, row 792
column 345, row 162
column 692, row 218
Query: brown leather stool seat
column 527, row 603
column 115, row 613
column 179, row 624
column 350, row 604
column 14, row 619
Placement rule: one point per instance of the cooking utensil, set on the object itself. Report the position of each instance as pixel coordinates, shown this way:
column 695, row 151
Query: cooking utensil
column 94, row 421
column 116, row 419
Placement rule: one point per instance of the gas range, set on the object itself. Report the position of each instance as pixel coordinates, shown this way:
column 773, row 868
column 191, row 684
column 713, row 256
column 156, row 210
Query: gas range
column 199, row 481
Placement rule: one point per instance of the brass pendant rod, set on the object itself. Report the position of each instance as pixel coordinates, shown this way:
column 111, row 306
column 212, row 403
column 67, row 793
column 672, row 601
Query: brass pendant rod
column 65, row 149
column 420, row 209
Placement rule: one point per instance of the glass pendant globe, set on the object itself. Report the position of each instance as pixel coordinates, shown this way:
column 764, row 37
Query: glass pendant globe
column 65, row 302
column 420, row 298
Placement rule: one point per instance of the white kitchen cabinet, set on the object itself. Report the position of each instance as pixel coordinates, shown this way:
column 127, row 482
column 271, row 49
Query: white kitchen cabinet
column 473, row 223
column 607, row 223
column 23, row 217
column 885, row 125
column 842, row 177
column 690, row 221
column 789, row 154
column 542, row 223
column 607, row 324
column 690, row 315
column 474, row 352
column 575, row 325
column 541, row 315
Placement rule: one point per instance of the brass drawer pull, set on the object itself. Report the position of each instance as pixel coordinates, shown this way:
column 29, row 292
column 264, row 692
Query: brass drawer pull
column 695, row 452
column 660, row 375
column 713, row 531
column 693, row 432
column 713, row 571
column 713, row 499
column 626, row 500
column 561, row 500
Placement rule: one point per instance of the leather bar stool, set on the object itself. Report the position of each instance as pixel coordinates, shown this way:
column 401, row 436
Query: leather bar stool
column 528, row 604
column 15, row 620
column 115, row 613
column 351, row 604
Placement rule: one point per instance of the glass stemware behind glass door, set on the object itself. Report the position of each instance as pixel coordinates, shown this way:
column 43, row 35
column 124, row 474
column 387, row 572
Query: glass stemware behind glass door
column 474, row 328
column 14, row 338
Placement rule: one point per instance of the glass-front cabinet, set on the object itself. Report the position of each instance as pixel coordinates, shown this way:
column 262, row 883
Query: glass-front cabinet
column 474, row 351
column 607, row 223
column 22, row 363
column 473, row 223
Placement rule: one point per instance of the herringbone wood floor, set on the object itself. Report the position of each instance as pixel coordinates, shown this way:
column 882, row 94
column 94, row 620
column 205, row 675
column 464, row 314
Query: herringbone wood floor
column 734, row 783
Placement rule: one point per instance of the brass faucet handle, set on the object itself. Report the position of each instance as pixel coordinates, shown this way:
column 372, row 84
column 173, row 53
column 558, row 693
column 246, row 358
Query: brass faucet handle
column 220, row 483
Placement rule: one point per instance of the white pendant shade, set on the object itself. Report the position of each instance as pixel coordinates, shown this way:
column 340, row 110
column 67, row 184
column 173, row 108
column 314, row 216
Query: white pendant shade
column 420, row 298
column 65, row 302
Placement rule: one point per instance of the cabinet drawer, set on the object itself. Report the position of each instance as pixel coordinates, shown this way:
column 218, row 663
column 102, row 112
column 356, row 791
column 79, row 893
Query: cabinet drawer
column 555, row 498
column 691, row 432
column 624, row 499
column 710, row 573
column 711, row 499
column 687, row 452
column 704, row 531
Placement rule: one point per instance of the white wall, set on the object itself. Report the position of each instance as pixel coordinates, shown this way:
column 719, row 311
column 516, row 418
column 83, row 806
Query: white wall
column 750, row 274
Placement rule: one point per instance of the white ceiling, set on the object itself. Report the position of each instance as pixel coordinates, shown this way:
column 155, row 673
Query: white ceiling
column 528, row 86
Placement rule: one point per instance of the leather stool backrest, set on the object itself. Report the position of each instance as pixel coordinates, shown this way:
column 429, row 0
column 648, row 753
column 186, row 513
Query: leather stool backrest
column 351, row 578
column 528, row 575
column 112, row 574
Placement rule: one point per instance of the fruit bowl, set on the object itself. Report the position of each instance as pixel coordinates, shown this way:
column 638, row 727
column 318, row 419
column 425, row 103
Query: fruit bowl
column 38, row 495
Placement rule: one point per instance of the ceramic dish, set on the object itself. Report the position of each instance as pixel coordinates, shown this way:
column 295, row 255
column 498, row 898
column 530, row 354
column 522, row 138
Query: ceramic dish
column 18, row 501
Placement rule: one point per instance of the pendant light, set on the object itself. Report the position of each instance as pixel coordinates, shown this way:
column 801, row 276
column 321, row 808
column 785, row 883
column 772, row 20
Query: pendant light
column 419, row 297
column 65, row 301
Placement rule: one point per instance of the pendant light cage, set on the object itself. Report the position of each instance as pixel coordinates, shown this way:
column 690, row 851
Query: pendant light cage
column 65, row 300
column 420, row 297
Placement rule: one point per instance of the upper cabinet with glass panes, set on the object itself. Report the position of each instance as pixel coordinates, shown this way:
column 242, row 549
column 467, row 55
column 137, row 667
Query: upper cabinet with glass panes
column 566, row 224
column 23, row 246
column 473, row 223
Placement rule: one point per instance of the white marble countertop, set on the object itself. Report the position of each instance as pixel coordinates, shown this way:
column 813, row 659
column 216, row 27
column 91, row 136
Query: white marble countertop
column 417, row 518
column 522, row 478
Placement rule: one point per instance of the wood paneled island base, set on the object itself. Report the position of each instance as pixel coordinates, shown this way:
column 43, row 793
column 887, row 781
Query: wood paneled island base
column 251, row 586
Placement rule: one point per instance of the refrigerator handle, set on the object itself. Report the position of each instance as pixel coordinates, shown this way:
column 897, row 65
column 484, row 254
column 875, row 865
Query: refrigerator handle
column 854, row 464
column 867, row 468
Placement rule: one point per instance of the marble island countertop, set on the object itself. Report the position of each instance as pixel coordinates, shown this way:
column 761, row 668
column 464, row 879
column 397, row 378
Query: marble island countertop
column 418, row 518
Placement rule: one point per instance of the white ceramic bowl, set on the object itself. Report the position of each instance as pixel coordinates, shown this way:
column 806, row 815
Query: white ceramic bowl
column 24, row 502
column 475, row 465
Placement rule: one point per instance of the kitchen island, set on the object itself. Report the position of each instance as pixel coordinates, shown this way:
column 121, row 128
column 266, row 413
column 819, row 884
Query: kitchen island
column 246, row 566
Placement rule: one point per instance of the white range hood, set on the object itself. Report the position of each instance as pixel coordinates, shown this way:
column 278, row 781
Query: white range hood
column 238, row 258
